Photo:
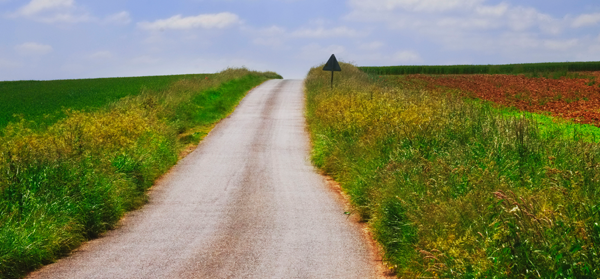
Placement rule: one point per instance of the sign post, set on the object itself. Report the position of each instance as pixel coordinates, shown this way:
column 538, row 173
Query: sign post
column 333, row 66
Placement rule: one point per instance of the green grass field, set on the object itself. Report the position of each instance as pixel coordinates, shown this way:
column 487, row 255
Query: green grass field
column 456, row 188
column 73, row 179
column 33, row 100
column 552, row 127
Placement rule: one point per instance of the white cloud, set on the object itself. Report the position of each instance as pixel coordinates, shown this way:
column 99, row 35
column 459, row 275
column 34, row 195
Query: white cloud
column 272, row 31
column 66, row 18
column 452, row 15
column 470, row 25
column 145, row 60
column 206, row 21
column 53, row 11
column 475, row 23
column 8, row 64
column 321, row 32
column 372, row 45
column 33, row 49
column 415, row 5
column 519, row 44
column 316, row 50
column 101, row 55
column 495, row 11
column 586, row 20
column 407, row 56
column 273, row 36
column 37, row 6
column 594, row 46
column 561, row 45
column 118, row 18
column 64, row 11
column 521, row 18
column 278, row 37
column 270, row 42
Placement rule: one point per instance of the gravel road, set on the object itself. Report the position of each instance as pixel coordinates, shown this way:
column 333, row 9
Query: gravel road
column 245, row 204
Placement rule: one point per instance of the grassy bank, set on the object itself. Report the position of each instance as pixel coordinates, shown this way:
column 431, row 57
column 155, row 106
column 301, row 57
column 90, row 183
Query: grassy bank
column 76, row 178
column 556, row 69
column 454, row 188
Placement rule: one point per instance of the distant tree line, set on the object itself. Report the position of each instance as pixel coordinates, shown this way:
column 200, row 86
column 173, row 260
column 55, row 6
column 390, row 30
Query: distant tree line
column 485, row 69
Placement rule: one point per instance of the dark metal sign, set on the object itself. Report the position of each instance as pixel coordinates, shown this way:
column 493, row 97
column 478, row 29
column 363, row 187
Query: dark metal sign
column 333, row 66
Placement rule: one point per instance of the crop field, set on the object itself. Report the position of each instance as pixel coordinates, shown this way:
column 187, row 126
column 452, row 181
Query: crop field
column 575, row 97
column 45, row 101
column 73, row 178
column 530, row 68
column 481, row 176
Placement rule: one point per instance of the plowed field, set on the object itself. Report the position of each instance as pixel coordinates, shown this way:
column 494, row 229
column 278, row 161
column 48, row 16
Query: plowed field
column 577, row 99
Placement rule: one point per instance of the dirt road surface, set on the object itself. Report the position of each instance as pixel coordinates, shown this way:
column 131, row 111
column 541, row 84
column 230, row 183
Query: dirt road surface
column 245, row 204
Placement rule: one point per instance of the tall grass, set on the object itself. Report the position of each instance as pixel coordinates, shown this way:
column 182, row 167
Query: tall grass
column 74, row 180
column 529, row 68
column 453, row 188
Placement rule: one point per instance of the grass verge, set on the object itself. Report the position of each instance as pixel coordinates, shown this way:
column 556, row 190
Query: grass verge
column 457, row 189
column 75, row 179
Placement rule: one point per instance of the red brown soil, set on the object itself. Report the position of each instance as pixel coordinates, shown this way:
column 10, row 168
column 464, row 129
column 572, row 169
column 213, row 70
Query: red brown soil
column 577, row 98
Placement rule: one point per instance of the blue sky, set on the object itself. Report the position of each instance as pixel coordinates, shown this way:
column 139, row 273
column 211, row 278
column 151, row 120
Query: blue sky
column 63, row 39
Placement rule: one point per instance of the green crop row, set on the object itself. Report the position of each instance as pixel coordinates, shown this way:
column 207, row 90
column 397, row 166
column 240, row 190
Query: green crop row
column 548, row 126
column 486, row 69
column 44, row 101
column 453, row 188
column 74, row 179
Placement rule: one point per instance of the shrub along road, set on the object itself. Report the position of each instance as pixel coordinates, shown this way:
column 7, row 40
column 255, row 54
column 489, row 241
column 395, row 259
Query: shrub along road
column 245, row 204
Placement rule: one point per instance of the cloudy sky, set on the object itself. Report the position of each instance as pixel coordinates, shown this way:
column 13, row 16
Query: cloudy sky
column 63, row 39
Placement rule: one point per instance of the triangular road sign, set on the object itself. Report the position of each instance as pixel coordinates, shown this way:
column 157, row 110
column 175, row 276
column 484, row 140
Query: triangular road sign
column 332, row 65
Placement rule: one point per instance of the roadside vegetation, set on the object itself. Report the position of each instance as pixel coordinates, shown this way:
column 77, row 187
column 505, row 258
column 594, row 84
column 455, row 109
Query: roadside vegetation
column 71, row 180
column 454, row 187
